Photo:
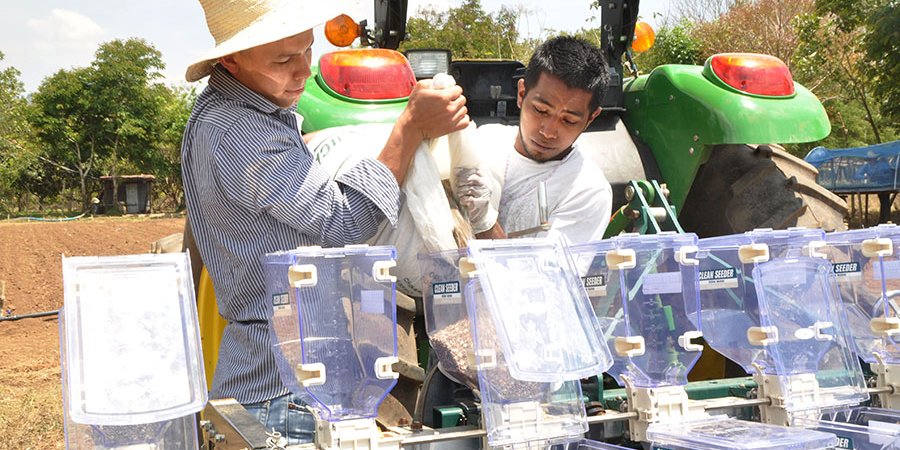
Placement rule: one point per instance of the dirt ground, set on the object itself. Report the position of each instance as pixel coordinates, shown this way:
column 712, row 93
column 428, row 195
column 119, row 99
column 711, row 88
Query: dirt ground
column 30, row 255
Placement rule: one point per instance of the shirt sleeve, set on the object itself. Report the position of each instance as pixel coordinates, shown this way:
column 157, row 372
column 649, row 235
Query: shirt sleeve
column 263, row 166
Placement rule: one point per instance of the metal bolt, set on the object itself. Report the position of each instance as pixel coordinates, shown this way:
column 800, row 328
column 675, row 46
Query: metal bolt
column 691, row 151
column 637, row 101
column 219, row 437
column 629, row 193
column 415, row 425
column 671, row 97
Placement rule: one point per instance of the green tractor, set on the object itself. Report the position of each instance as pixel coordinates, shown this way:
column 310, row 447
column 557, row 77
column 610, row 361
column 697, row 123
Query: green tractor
column 686, row 148
column 704, row 133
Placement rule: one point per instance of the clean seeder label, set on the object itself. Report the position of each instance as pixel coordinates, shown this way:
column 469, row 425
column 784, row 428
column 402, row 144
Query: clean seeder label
column 446, row 293
column 595, row 285
column 846, row 270
column 281, row 303
column 718, row 279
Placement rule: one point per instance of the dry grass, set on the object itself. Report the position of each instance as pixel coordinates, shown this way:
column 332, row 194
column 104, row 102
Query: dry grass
column 30, row 408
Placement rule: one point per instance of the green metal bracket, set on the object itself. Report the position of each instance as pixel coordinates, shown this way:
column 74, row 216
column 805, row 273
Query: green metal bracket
column 447, row 416
column 648, row 211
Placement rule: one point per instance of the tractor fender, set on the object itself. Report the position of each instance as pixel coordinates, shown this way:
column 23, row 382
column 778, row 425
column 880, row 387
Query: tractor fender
column 681, row 115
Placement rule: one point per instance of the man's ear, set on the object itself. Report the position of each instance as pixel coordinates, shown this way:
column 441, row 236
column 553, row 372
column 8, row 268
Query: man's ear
column 230, row 63
column 520, row 92
column 593, row 116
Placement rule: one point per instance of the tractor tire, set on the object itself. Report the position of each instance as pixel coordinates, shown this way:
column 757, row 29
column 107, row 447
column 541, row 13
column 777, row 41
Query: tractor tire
column 744, row 187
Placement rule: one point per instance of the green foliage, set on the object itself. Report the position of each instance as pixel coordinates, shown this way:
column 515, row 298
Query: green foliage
column 674, row 45
column 17, row 151
column 883, row 50
column 833, row 62
column 468, row 31
column 106, row 118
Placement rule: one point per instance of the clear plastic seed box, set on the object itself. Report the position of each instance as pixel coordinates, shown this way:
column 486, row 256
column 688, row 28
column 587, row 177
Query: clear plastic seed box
column 587, row 444
column 860, row 428
column 510, row 320
column 333, row 325
column 132, row 370
column 725, row 433
column 638, row 287
column 517, row 411
column 866, row 266
column 777, row 312
column 543, row 315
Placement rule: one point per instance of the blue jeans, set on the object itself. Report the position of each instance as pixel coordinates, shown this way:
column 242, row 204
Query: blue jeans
column 288, row 415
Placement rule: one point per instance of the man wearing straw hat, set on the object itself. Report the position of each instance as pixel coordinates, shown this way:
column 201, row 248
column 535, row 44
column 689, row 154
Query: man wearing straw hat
column 252, row 186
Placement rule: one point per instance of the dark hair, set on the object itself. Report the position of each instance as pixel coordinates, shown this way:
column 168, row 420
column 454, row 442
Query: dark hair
column 575, row 61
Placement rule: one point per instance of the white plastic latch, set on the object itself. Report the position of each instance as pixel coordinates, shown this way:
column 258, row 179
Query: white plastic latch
column 821, row 326
column 467, row 267
column 312, row 374
column 303, row 275
column 384, row 368
column 621, row 259
column 681, row 255
column 629, row 345
column 762, row 336
column 877, row 247
column 885, row 326
column 685, row 341
column 381, row 271
column 753, row 253
column 813, row 249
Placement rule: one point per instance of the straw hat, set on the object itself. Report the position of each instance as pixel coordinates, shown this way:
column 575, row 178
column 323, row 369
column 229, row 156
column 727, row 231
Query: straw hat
column 241, row 24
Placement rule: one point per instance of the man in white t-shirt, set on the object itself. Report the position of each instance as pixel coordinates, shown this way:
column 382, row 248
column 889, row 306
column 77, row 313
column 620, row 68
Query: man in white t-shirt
column 559, row 97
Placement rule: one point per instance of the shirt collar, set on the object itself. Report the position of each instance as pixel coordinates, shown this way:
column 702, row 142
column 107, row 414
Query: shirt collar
column 227, row 84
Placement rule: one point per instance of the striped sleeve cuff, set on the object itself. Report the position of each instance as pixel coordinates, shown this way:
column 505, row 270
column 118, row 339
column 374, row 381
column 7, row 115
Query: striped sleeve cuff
column 374, row 181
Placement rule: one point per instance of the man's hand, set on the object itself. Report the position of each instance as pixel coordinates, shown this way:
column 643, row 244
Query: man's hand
column 474, row 193
column 436, row 112
column 429, row 113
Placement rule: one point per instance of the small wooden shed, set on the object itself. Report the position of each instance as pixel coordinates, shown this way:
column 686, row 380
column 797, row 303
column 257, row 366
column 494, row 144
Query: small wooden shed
column 135, row 191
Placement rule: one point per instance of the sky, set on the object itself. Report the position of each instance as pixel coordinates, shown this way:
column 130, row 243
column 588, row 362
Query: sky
column 41, row 37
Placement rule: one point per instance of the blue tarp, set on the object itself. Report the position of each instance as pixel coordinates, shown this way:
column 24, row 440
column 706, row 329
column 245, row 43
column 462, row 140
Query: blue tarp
column 863, row 169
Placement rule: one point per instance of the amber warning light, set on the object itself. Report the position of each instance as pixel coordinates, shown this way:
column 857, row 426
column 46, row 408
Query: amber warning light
column 341, row 31
column 644, row 37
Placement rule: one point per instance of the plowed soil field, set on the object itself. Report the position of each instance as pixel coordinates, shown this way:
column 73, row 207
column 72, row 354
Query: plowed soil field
column 30, row 266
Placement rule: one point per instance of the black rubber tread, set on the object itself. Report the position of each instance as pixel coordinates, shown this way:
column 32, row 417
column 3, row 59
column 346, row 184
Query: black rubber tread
column 742, row 187
column 824, row 209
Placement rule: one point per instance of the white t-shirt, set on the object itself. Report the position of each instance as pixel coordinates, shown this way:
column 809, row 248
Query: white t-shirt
column 579, row 198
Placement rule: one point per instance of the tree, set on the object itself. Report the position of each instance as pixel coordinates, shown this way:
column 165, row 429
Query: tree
column 831, row 60
column 702, row 11
column 106, row 116
column 876, row 25
column 469, row 32
column 761, row 26
column 167, row 166
column 17, row 149
column 673, row 45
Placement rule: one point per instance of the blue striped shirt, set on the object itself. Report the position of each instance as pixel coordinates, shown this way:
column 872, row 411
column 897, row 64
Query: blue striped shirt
column 252, row 187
